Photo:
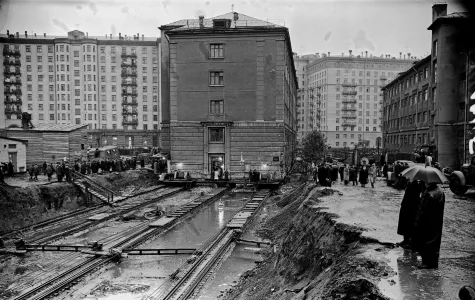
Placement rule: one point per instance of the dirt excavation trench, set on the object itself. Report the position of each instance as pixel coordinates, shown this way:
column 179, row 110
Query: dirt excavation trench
column 315, row 258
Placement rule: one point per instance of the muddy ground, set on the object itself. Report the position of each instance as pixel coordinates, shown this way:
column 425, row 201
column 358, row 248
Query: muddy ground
column 340, row 243
column 24, row 202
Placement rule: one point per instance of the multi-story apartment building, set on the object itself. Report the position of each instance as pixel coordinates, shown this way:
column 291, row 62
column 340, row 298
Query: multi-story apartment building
column 228, row 94
column 307, row 107
column 347, row 97
column 109, row 83
column 428, row 103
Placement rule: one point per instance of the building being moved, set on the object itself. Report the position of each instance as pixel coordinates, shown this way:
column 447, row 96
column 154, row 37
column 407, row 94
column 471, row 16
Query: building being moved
column 228, row 94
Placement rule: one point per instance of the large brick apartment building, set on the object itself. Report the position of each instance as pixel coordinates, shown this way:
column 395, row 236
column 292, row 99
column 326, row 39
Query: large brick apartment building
column 109, row 83
column 428, row 103
column 228, row 94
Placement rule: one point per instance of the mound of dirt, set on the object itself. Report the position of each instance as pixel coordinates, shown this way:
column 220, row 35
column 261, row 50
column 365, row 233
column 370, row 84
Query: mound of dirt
column 21, row 207
column 124, row 182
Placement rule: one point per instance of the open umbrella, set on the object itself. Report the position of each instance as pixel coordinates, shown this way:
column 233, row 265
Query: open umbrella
column 424, row 173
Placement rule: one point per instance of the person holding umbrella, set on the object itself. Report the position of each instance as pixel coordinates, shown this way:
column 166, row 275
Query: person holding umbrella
column 409, row 205
column 429, row 217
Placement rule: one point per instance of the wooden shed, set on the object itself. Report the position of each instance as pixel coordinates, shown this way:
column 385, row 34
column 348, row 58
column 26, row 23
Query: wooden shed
column 14, row 151
column 52, row 142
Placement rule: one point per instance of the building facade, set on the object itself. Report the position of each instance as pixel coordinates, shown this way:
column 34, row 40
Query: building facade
column 228, row 94
column 428, row 104
column 109, row 83
column 347, row 97
column 14, row 151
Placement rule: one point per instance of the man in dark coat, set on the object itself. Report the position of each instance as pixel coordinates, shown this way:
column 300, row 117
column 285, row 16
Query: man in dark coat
column 428, row 224
column 10, row 169
column 409, row 205
column 142, row 162
column 49, row 171
column 44, row 167
column 334, row 172
column 322, row 175
column 363, row 176
column 59, row 172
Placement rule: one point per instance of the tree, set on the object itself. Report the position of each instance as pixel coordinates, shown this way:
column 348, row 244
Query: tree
column 314, row 147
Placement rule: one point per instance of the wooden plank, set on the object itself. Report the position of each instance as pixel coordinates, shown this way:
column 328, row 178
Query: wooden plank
column 98, row 217
column 161, row 222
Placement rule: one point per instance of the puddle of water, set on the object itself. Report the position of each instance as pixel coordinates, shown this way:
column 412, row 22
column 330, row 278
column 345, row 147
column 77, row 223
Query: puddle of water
column 229, row 272
column 190, row 233
column 411, row 283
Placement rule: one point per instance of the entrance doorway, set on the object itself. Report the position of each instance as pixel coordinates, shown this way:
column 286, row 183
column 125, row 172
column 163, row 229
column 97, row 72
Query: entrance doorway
column 215, row 161
column 13, row 159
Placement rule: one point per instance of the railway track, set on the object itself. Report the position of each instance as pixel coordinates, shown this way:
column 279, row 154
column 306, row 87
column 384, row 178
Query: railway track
column 208, row 257
column 129, row 239
column 62, row 220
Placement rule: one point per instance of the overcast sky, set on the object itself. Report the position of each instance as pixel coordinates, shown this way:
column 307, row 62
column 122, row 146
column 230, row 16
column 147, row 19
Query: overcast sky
column 379, row 26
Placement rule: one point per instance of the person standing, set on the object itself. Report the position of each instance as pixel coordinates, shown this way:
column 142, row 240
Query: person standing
column 30, row 171
column 10, row 169
column 49, row 171
column 364, row 176
column 373, row 172
column 44, row 167
column 428, row 160
column 346, row 175
column 36, row 172
column 59, row 172
column 353, row 175
column 409, row 205
column 428, row 224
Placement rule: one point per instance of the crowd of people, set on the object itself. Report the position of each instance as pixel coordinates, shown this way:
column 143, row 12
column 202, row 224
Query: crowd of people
column 326, row 174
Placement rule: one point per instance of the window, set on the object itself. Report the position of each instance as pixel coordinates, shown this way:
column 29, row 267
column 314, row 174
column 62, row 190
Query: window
column 435, row 72
column 216, row 51
column 434, row 48
column 51, row 117
column 145, row 108
column 338, row 128
column 337, row 136
column 216, row 107
column 216, row 78
column 216, row 135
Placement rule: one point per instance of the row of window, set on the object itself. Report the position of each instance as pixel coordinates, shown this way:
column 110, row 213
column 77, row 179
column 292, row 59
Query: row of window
column 411, row 80
column 360, row 121
column 422, row 117
column 353, row 128
column 87, row 48
column 337, row 136
column 323, row 65
column 409, row 139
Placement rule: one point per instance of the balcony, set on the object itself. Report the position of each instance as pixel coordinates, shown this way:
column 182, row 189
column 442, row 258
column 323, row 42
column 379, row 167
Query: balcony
column 9, row 81
column 13, row 101
column 134, row 112
column 383, row 77
column 132, row 94
column 12, row 92
column 346, row 85
column 130, row 122
column 128, row 65
column 349, row 124
column 129, row 83
column 349, row 101
column 7, row 72
column 125, row 55
column 13, row 111
column 128, row 74
column 349, row 116
column 349, row 92
column 348, row 109
column 8, row 52
column 8, row 62
column 133, row 103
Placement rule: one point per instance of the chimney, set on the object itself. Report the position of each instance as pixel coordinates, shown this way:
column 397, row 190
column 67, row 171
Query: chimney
column 26, row 34
column 110, row 36
column 409, row 56
column 138, row 36
column 366, row 53
column 143, row 37
column 404, row 56
column 439, row 10
column 400, row 55
column 35, row 34
column 350, row 52
column 328, row 53
column 120, row 36
column 8, row 33
column 17, row 34
column 44, row 34
column 201, row 19
column 87, row 34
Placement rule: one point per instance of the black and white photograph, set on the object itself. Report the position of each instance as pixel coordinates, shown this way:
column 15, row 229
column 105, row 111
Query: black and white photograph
column 237, row 150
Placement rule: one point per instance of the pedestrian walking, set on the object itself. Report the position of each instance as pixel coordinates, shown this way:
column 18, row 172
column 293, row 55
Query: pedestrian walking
column 30, row 171
column 428, row 160
column 44, row 167
column 409, row 205
column 428, row 224
column 10, row 169
column 346, row 175
column 363, row 176
column 372, row 173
